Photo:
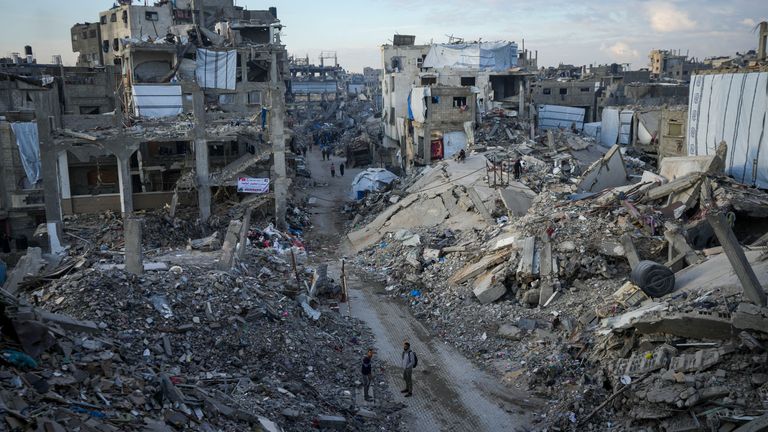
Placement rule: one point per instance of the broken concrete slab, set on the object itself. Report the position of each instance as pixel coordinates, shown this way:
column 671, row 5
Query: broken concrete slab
column 489, row 287
column 509, row 331
column 479, row 205
column 607, row 172
column 517, row 198
column 471, row 270
column 673, row 168
column 527, row 269
column 694, row 325
column 29, row 265
column 148, row 266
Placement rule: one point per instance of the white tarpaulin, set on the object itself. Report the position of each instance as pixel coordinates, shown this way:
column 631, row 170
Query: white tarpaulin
column 609, row 127
column 216, row 69
column 592, row 129
column 372, row 179
column 625, row 126
column 731, row 108
column 453, row 142
column 157, row 100
column 29, row 149
column 495, row 56
column 418, row 103
column 556, row 116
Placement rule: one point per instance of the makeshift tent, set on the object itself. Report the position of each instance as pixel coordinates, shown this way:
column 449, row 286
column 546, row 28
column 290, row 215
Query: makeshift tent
column 592, row 129
column 157, row 100
column 216, row 69
column 556, row 116
column 29, row 149
column 494, row 56
column 372, row 179
column 732, row 108
column 616, row 127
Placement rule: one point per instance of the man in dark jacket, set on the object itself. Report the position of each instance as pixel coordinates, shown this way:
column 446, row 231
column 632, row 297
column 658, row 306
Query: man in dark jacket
column 366, row 371
column 408, row 361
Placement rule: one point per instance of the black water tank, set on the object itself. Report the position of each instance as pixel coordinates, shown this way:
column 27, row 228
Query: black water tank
column 273, row 11
column 27, row 50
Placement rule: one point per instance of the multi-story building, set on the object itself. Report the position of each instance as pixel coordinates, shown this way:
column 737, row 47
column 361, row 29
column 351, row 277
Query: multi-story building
column 86, row 41
column 666, row 64
column 491, row 70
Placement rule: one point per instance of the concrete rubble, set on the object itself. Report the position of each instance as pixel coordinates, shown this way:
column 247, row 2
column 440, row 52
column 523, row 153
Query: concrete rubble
column 540, row 292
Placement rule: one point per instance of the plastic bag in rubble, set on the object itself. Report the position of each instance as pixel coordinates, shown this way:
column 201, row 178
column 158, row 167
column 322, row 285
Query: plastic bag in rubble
column 161, row 305
column 272, row 232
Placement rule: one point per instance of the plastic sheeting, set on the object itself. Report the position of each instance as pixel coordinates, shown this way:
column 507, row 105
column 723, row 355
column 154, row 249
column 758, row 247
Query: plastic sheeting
column 556, row 116
column 493, row 56
column 29, row 149
column 592, row 129
column 417, row 105
column 731, row 108
column 625, row 126
column 453, row 142
column 216, row 69
column 156, row 101
column 372, row 179
column 609, row 128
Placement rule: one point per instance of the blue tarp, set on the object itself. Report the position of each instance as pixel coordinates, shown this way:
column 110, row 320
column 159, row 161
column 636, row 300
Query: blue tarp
column 29, row 149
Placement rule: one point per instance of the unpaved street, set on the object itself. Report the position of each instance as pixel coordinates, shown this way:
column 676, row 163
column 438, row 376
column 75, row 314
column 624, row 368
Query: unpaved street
column 450, row 393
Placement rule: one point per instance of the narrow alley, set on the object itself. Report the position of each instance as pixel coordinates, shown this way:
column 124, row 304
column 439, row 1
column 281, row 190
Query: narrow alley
column 450, row 393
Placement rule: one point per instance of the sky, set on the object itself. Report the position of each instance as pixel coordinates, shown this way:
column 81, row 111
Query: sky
column 571, row 32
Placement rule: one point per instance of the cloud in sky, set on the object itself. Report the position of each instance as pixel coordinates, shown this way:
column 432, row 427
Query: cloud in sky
column 666, row 17
column 622, row 52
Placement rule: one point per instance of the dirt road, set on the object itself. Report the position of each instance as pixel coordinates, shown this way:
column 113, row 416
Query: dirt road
column 450, row 393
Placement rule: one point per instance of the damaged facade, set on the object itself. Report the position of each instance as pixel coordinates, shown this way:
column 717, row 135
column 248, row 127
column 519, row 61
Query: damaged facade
column 192, row 110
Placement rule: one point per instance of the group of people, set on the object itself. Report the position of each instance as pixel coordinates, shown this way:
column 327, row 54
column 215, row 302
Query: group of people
column 341, row 169
column 408, row 361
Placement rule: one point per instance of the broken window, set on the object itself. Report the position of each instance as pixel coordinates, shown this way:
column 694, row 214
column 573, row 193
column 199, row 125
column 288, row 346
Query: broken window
column 254, row 97
column 151, row 16
column 467, row 81
column 103, row 19
column 115, row 44
column 585, row 89
column 105, row 46
column 125, row 16
column 90, row 110
column 392, row 84
column 84, row 35
column 435, row 99
column 563, row 91
column 675, row 129
column 392, row 116
column 92, row 33
column 226, row 99
column 459, row 102
column 113, row 18
column 425, row 81
column 74, row 37
column 546, row 91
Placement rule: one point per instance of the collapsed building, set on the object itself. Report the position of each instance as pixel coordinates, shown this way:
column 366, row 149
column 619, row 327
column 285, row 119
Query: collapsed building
column 468, row 79
column 176, row 112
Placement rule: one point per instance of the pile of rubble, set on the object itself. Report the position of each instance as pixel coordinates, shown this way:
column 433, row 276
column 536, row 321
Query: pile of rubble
column 183, row 346
column 547, row 282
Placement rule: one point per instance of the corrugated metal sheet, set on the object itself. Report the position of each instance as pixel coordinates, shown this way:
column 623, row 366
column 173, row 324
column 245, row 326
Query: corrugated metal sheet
column 731, row 108
column 314, row 87
column 556, row 116
column 625, row 126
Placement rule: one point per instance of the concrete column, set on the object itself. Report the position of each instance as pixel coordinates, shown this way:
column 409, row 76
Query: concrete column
column 733, row 250
column 762, row 41
column 63, row 160
column 229, row 245
column 521, row 99
column 277, row 119
column 134, row 258
column 126, row 185
column 49, row 171
column 244, row 232
column 202, row 165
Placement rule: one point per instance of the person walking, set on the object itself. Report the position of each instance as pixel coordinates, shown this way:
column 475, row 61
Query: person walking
column 333, row 170
column 408, row 361
column 304, row 152
column 341, row 169
column 366, row 371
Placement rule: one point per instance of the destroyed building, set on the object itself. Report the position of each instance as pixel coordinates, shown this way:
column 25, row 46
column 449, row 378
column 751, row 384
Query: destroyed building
column 496, row 72
column 191, row 112
column 673, row 65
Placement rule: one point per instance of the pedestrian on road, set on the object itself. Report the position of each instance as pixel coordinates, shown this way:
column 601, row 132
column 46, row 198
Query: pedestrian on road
column 366, row 371
column 304, row 152
column 333, row 170
column 408, row 360
column 341, row 169
column 322, row 152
